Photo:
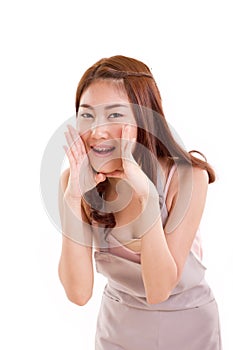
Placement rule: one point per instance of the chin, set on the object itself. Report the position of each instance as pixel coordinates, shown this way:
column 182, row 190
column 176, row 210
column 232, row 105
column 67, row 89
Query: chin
column 108, row 167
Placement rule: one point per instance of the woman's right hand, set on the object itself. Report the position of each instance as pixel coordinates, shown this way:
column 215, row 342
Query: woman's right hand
column 82, row 177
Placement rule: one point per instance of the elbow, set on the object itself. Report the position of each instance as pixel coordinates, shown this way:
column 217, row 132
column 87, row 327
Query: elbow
column 78, row 298
column 157, row 298
column 160, row 290
column 79, row 295
column 160, row 294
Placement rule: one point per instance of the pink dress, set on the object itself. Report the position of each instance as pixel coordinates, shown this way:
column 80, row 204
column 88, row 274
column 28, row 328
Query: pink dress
column 187, row 320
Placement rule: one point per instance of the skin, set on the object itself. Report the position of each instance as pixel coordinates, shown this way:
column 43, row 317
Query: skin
column 163, row 255
column 101, row 124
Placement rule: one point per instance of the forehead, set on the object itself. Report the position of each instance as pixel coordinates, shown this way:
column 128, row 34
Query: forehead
column 104, row 92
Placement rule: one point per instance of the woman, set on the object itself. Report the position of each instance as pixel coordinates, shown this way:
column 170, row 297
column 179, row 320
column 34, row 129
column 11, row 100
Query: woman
column 136, row 195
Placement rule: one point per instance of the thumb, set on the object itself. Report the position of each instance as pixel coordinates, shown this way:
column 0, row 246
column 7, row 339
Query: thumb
column 100, row 177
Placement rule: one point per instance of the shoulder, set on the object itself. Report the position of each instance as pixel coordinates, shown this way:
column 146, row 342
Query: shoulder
column 192, row 173
column 186, row 181
column 189, row 174
column 200, row 177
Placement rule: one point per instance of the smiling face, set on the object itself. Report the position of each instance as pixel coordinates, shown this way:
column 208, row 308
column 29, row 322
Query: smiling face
column 103, row 110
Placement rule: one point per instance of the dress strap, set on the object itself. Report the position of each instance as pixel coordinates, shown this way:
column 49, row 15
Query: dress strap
column 169, row 178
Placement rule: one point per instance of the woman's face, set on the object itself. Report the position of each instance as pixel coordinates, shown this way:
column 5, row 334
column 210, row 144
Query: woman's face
column 104, row 109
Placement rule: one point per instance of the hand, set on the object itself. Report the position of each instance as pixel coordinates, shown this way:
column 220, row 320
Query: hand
column 144, row 189
column 131, row 171
column 82, row 177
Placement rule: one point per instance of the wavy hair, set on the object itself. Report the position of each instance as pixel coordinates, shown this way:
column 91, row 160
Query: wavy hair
column 153, row 130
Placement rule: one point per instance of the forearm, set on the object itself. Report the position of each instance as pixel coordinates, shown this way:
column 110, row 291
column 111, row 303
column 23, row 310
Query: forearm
column 74, row 222
column 76, row 271
column 75, row 266
column 159, row 270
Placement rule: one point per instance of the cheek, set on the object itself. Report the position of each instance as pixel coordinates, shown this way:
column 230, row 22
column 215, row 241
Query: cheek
column 83, row 129
column 132, row 132
column 83, row 126
column 84, row 137
column 114, row 131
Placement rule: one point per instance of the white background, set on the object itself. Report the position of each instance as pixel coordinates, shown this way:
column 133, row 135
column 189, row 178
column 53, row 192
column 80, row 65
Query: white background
column 45, row 47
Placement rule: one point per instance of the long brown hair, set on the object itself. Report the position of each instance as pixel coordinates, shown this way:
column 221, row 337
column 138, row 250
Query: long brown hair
column 153, row 133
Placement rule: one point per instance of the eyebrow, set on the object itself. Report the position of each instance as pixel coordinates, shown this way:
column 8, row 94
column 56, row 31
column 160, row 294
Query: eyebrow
column 116, row 105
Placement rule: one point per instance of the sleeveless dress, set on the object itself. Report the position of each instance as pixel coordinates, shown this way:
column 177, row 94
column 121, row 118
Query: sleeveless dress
column 187, row 320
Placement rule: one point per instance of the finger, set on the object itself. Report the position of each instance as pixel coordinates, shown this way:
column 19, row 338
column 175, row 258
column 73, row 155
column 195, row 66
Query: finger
column 73, row 152
column 116, row 174
column 82, row 146
column 70, row 156
column 68, row 139
column 70, row 142
column 124, row 141
column 130, row 141
column 76, row 138
column 127, row 143
column 73, row 141
column 73, row 132
column 100, row 177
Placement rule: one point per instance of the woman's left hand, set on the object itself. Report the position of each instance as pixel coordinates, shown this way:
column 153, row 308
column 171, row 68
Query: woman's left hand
column 131, row 172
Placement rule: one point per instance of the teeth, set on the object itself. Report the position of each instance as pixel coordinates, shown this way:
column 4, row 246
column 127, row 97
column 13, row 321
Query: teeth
column 103, row 149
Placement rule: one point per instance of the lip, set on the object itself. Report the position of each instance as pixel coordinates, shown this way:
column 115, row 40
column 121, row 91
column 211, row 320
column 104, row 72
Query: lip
column 102, row 151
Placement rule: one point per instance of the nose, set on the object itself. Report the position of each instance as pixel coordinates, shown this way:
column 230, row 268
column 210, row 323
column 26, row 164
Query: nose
column 99, row 130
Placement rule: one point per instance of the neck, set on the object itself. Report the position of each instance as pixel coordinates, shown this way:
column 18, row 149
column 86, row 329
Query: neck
column 113, row 181
column 117, row 187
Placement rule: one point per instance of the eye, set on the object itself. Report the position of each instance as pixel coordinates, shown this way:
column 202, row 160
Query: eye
column 86, row 116
column 115, row 115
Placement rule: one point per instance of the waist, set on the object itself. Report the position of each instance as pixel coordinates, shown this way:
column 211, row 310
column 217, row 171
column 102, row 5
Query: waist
column 188, row 299
column 125, row 282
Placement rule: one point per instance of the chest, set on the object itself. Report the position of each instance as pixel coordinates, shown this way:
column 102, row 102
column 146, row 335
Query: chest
column 126, row 217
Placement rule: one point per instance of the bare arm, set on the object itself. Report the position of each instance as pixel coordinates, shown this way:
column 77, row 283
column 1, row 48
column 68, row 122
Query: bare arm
column 75, row 266
column 164, row 251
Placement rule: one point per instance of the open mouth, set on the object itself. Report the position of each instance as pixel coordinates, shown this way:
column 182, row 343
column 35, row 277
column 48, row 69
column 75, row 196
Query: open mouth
column 103, row 150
